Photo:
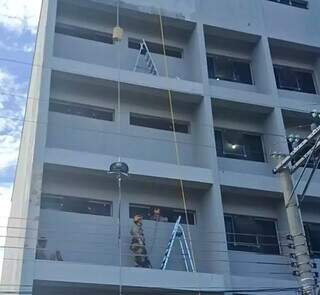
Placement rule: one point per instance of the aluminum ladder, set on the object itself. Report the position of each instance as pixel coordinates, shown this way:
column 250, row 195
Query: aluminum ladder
column 150, row 66
column 178, row 233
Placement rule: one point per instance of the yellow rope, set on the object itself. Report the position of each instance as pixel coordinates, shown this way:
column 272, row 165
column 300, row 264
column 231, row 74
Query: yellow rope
column 175, row 138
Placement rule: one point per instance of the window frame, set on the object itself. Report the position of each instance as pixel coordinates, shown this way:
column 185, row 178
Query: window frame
column 184, row 124
column 316, row 253
column 258, row 244
column 177, row 210
column 65, row 103
column 233, row 59
column 83, row 33
column 245, row 158
column 303, row 4
column 295, row 70
column 73, row 198
column 157, row 48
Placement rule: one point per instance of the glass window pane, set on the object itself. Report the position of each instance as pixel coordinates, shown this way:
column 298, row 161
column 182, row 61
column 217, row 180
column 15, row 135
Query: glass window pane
column 81, row 110
column 233, row 144
column 210, row 63
column 76, row 205
column 243, row 72
column 254, row 148
column 223, row 68
column 306, row 82
column 300, row 3
column 238, row 145
column 51, row 202
column 287, row 79
column 219, row 144
column 294, row 79
column 156, row 48
column 251, row 234
column 166, row 214
column 99, row 208
column 314, row 238
column 158, row 123
column 83, row 33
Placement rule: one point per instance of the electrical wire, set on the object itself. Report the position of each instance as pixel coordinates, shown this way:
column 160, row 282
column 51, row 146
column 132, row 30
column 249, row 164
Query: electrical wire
column 188, row 289
column 302, row 173
column 316, row 165
column 172, row 113
column 111, row 223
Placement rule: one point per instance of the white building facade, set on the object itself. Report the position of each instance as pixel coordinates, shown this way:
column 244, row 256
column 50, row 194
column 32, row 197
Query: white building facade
column 243, row 75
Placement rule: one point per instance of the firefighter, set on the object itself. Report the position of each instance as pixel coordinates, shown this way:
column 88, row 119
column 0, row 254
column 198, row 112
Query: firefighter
column 156, row 216
column 138, row 246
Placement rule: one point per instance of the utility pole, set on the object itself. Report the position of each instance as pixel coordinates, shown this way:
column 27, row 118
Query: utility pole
column 297, row 238
column 297, row 235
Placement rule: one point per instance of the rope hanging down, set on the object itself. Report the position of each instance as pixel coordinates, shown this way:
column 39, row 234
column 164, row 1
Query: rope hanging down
column 181, row 184
column 119, row 168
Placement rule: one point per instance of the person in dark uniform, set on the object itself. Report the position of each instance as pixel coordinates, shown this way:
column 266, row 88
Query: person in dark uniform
column 138, row 245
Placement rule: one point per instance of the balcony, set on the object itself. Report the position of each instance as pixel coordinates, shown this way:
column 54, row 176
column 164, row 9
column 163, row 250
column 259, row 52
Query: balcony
column 94, row 44
column 79, row 221
column 237, row 64
column 256, row 237
column 87, row 108
column 244, row 142
column 296, row 69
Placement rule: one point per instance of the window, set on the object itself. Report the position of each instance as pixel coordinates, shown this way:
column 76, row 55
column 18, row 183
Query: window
column 294, row 79
column 313, row 238
column 295, row 3
column 76, row 205
column 229, row 69
column 166, row 214
column 81, row 110
column 84, row 33
column 238, row 145
column 156, row 48
column 251, row 234
column 158, row 123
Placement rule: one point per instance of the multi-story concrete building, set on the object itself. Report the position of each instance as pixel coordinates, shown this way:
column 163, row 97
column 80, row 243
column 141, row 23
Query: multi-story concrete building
column 243, row 74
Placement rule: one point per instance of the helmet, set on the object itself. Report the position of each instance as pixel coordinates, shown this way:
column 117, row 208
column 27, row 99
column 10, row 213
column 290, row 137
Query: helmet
column 137, row 218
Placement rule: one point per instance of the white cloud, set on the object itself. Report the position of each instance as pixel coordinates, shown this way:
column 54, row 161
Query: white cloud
column 11, row 116
column 28, row 47
column 20, row 15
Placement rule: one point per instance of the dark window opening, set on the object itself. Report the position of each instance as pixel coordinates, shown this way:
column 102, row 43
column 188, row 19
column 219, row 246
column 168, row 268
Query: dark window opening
column 83, row 33
column 238, row 145
column 313, row 238
column 76, row 205
column 288, row 78
column 251, row 234
column 229, row 69
column 156, row 48
column 158, row 123
column 166, row 214
column 295, row 3
column 82, row 110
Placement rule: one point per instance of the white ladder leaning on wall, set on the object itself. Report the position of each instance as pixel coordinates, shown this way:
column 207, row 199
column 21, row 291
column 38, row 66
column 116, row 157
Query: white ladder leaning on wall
column 178, row 233
column 145, row 56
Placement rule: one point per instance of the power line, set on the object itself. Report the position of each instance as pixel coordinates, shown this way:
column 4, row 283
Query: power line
column 316, row 165
column 302, row 172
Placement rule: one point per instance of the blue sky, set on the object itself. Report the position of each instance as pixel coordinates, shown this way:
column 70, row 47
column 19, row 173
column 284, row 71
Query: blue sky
column 18, row 26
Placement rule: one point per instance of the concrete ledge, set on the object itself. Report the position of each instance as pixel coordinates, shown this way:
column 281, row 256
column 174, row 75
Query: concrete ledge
column 129, row 77
column 195, row 176
column 136, row 277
